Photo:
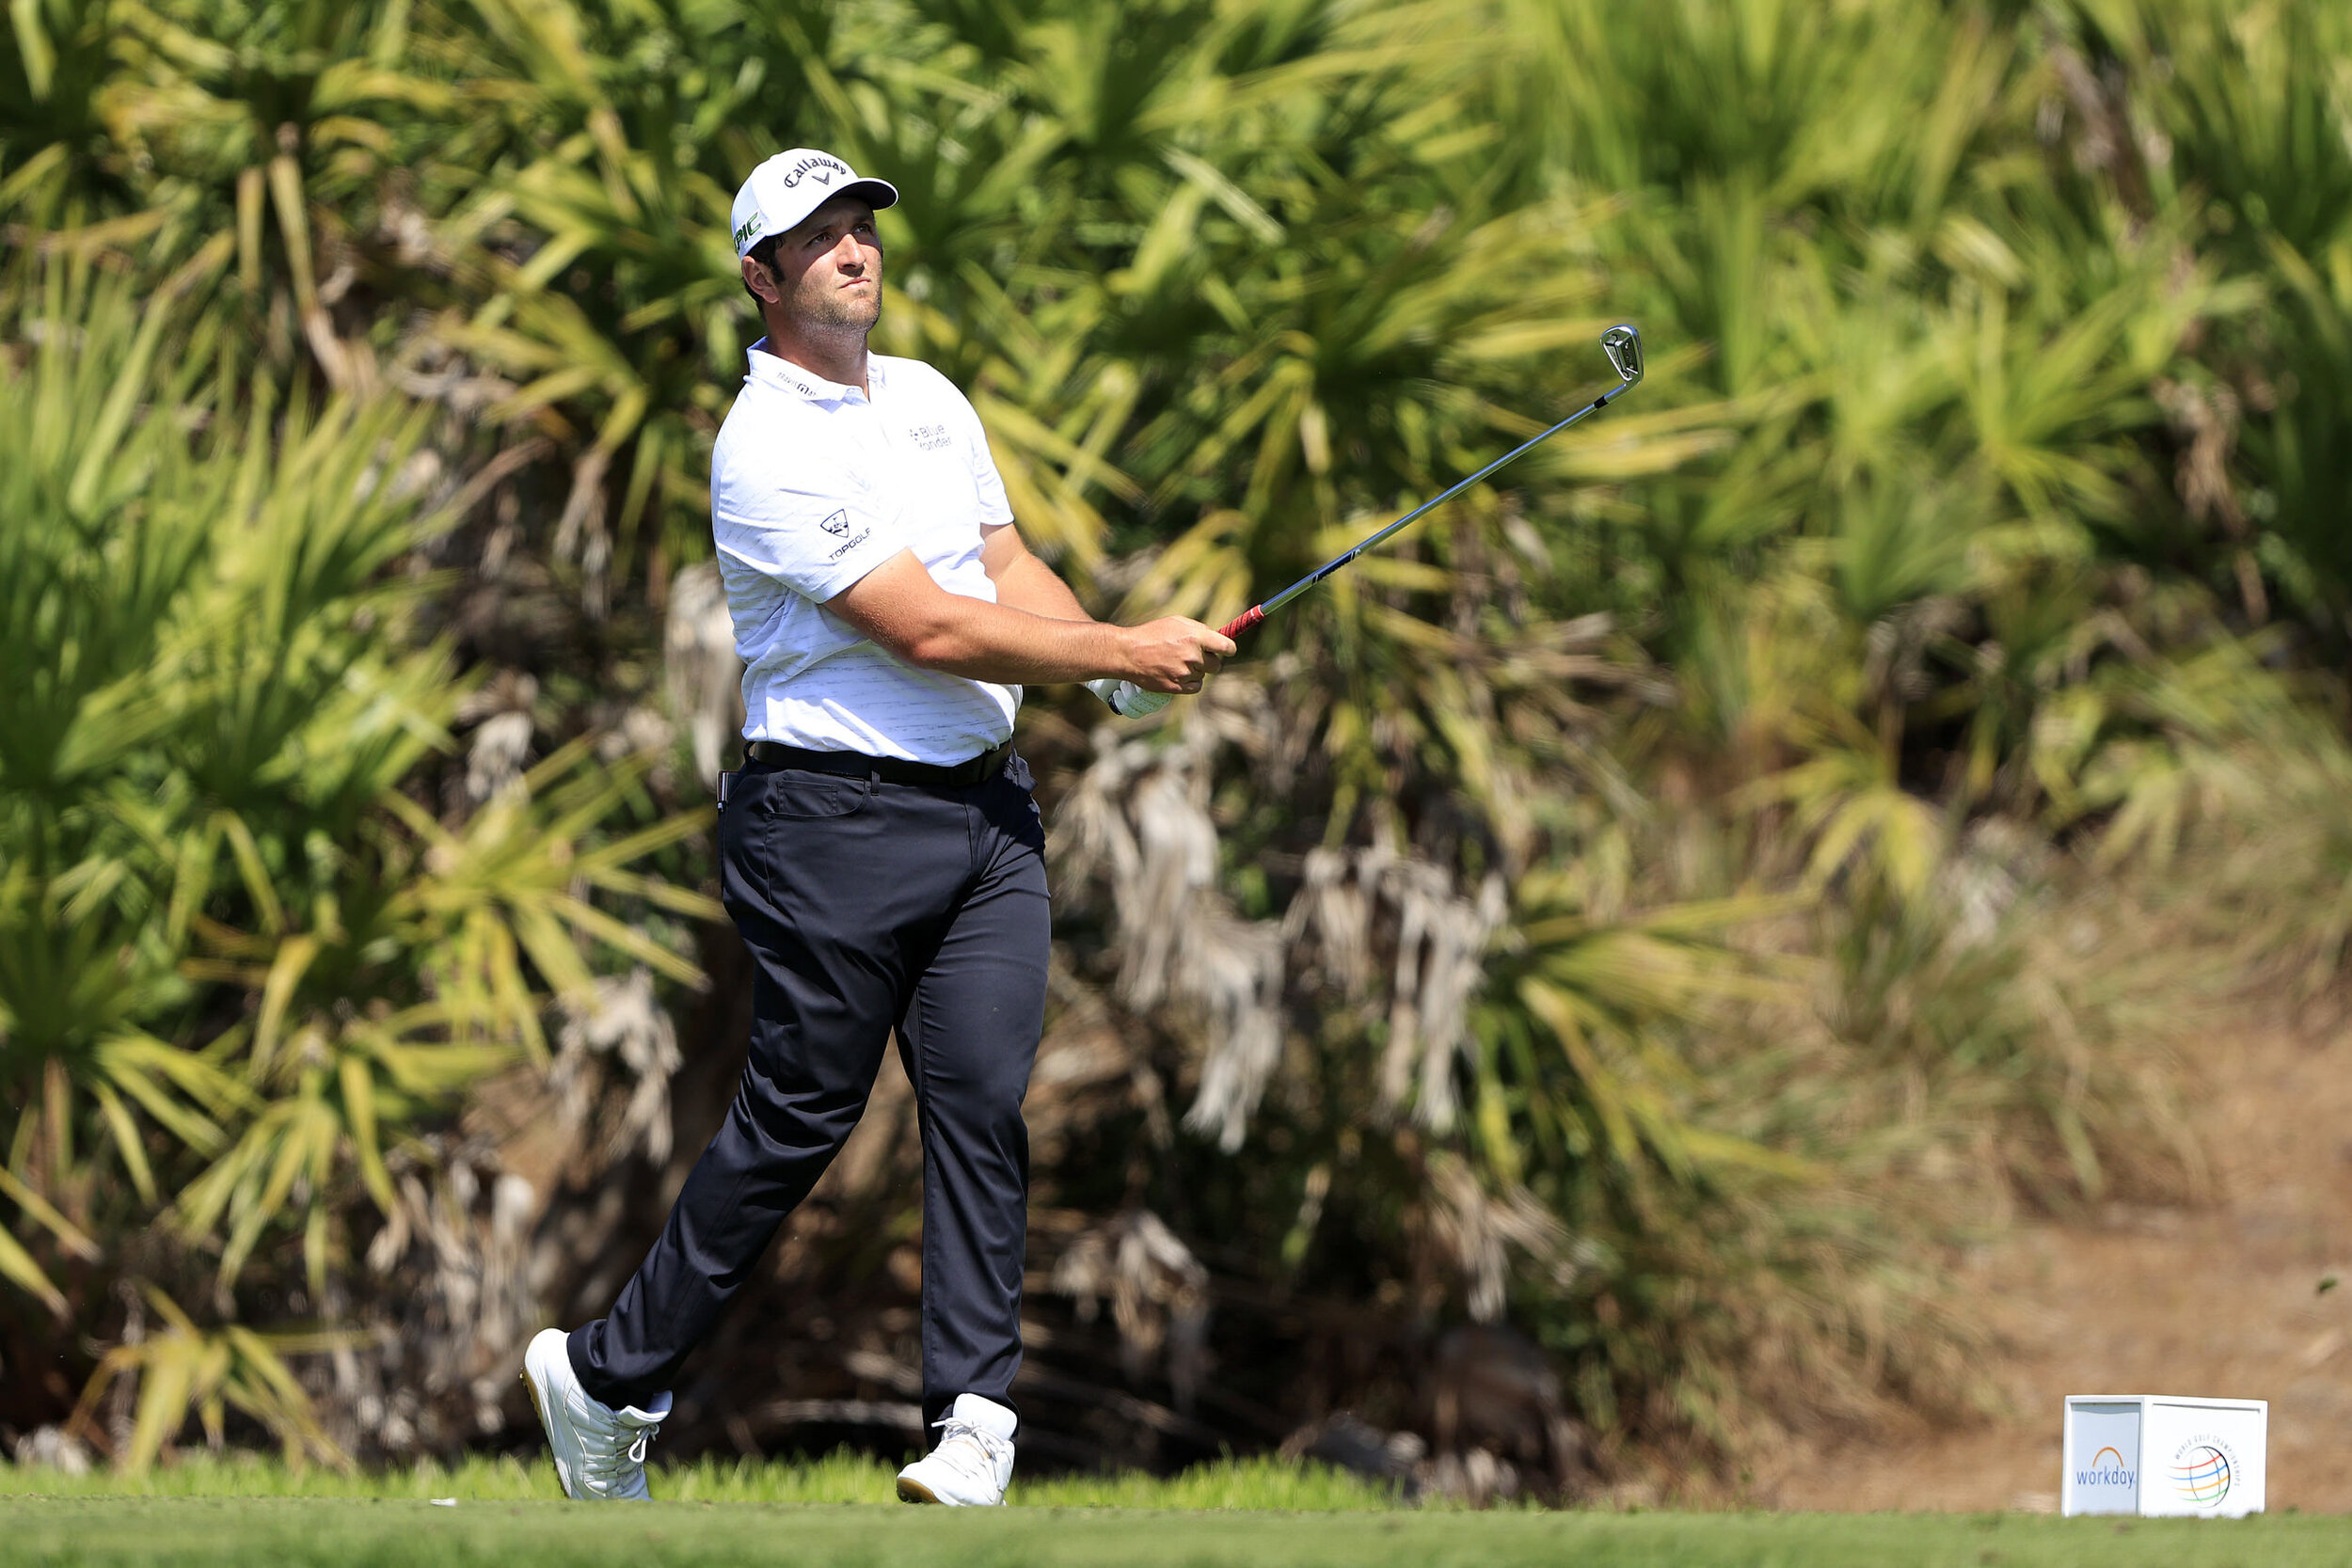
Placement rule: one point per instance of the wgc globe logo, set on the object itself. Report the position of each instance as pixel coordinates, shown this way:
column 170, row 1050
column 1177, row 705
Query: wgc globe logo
column 2201, row 1474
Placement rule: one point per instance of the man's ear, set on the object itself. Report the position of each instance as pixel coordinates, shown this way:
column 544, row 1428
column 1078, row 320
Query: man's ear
column 761, row 283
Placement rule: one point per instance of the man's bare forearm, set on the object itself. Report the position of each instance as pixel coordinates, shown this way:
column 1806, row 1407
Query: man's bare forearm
column 1012, row 646
column 901, row 608
column 995, row 643
column 1031, row 585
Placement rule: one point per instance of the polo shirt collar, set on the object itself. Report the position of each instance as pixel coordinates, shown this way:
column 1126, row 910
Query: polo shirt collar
column 771, row 369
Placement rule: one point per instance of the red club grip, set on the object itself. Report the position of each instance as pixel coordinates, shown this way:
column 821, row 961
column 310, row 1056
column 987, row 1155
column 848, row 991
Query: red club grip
column 1246, row 619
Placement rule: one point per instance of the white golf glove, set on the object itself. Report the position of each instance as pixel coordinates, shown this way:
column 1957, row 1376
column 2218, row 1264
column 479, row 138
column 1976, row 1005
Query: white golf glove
column 1127, row 699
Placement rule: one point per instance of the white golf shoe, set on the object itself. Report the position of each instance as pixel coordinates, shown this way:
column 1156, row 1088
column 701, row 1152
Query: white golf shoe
column 599, row 1452
column 974, row 1460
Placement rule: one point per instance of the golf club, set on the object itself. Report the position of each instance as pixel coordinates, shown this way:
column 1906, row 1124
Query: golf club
column 1623, row 345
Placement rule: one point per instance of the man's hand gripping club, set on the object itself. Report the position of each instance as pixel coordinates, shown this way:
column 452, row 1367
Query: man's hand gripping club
column 1036, row 633
column 1174, row 649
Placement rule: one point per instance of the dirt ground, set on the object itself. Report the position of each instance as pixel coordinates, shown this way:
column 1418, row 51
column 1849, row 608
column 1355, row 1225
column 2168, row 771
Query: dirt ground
column 2224, row 1301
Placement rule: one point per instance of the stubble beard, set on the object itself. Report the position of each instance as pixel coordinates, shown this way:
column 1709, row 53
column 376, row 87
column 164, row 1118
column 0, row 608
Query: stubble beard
column 829, row 311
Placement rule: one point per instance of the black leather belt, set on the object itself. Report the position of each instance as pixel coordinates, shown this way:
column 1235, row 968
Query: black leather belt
column 857, row 764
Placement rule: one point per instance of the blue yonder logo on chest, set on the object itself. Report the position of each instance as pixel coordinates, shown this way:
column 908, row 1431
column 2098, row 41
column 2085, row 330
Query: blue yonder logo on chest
column 929, row 437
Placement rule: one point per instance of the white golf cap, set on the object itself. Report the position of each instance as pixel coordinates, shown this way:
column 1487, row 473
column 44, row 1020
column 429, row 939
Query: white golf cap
column 791, row 185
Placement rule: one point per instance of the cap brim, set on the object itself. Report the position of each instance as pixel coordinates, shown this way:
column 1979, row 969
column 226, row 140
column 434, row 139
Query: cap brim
column 876, row 194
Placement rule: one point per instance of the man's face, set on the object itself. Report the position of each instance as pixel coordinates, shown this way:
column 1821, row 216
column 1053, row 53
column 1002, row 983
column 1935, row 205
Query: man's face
column 828, row 270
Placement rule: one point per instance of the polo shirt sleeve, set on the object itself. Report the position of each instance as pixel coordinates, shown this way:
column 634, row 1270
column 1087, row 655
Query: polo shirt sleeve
column 987, row 483
column 801, row 518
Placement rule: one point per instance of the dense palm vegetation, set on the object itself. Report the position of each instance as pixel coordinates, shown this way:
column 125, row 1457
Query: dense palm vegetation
column 1661, row 907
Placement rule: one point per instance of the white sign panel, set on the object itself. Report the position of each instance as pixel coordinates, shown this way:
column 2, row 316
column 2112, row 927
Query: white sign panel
column 2205, row 1456
column 2102, row 1457
column 2161, row 1455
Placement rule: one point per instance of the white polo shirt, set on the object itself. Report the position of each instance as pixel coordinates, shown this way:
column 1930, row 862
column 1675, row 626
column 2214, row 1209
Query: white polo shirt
column 811, row 486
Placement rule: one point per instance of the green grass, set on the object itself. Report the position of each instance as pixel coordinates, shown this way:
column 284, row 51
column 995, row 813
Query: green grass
column 842, row 1477
column 398, row 1533
column 244, row 1511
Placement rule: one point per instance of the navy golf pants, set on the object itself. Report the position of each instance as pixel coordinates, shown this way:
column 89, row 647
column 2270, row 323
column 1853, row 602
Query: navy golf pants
column 866, row 905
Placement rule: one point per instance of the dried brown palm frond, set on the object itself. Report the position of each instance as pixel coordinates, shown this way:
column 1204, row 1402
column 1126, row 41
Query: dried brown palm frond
column 625, row 1022
column 1481, row 1230
column 450, row 1297
column 1439, row 938
column 701, row 676
column 1138, row 820
column 1158, row 1294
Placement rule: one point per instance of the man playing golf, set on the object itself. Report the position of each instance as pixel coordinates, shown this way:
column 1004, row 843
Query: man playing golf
column 879, row 851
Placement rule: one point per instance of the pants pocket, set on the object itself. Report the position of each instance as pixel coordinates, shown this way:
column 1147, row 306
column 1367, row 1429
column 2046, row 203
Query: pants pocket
column 795, row 795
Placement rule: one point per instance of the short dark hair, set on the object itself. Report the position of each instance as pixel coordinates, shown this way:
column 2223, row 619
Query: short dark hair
column 764, row 252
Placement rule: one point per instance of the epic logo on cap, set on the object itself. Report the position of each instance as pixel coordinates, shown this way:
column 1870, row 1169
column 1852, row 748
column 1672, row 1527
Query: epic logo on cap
column 785, row 189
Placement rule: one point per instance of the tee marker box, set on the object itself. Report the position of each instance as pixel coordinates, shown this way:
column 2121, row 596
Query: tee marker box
column 2164, row 1456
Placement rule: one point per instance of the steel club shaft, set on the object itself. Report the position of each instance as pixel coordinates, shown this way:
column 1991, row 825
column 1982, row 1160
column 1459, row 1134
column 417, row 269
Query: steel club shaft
column 1623, row 345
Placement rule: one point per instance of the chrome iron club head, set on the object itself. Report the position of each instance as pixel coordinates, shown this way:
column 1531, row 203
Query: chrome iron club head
column 1623, row 345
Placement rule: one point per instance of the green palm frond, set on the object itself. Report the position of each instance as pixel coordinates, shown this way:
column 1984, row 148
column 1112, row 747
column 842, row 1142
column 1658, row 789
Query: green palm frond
column 1617, row 994
column 183, row 1369
column 230, row 943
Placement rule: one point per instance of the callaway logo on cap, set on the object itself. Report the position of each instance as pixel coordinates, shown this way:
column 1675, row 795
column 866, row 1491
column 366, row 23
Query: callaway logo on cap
column 791, row 185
